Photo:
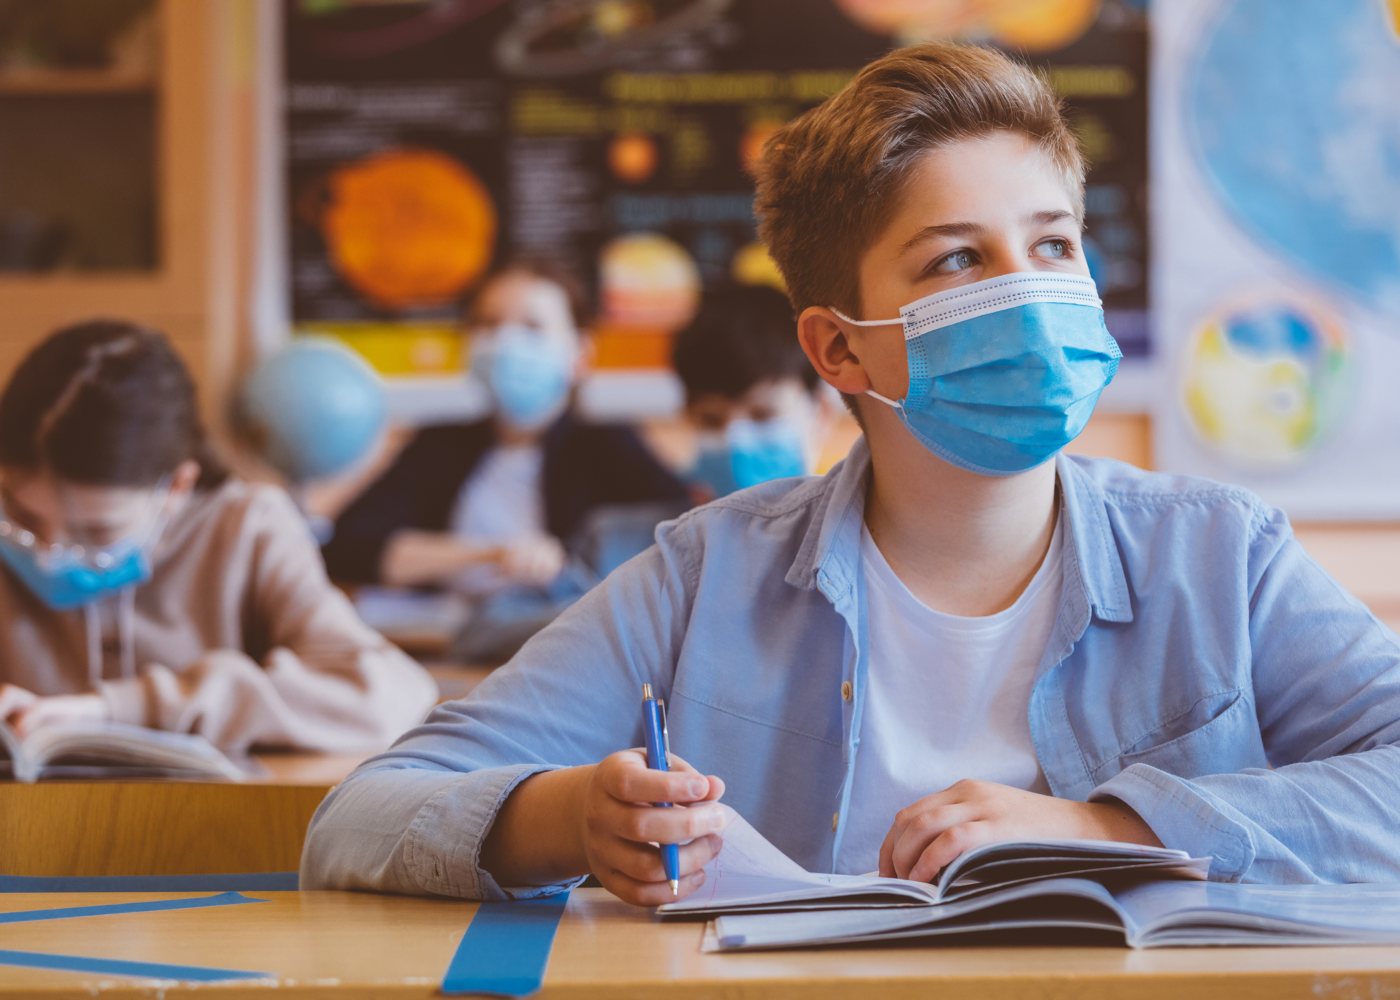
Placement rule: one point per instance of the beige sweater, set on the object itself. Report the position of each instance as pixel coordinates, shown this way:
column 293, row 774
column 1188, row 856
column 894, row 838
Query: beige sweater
column 237, row 636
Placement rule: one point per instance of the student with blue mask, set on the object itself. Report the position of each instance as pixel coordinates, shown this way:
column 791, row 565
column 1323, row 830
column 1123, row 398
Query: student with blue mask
column 488, row 505
column 750, row 395
column 142, row 583
column 960, row 635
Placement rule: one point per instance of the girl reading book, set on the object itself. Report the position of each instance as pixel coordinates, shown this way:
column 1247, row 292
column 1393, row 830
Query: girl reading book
column 141, row 583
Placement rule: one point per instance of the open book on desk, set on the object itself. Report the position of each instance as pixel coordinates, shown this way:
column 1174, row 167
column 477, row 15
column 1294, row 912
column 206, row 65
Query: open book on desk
column 111, row 750
column 751, row 875
column 1152, row 897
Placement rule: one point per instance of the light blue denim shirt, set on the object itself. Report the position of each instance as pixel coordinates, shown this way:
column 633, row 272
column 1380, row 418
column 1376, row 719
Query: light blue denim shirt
column 1202, row 669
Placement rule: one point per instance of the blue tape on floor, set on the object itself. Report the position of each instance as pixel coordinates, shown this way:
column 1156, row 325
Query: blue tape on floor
column 245, row 882
column 104, row 909
column 506, row 948
column 118, row 967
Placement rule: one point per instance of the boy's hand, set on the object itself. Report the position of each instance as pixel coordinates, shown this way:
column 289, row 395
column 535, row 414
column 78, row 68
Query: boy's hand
column 620, row 827
column 932, row 832
column 531, row 559
column 14, row 700
column 57, row 708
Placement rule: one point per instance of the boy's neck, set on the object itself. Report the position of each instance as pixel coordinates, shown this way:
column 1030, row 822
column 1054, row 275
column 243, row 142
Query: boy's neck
column 963, row 544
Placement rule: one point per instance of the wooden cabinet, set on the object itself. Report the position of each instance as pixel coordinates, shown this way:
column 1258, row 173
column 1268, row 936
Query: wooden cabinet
column 185, row 281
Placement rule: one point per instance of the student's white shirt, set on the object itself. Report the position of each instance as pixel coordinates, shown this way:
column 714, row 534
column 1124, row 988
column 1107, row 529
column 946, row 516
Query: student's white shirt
column 947, row 698
column 502, row 500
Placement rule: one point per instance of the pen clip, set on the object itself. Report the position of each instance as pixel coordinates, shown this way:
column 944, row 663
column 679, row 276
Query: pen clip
column 665, row 730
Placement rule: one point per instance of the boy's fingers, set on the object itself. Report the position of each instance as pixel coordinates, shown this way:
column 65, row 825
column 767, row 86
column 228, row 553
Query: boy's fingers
column 921, row 829
column 643, row 861
column 656, row 825
column 639, row 893
column 630, row 780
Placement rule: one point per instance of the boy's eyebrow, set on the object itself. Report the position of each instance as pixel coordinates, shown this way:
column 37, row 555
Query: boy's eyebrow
column 1044, row 218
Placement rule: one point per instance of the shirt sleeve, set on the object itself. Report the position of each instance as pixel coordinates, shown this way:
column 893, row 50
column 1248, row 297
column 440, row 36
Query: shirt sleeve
column 1326, row 689
column 414, row 820
column 326, row 682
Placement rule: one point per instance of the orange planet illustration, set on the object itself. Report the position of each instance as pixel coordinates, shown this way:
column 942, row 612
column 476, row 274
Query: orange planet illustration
column 751, row 145
column 632, row 157
column 1033, row 25
column 408, row 227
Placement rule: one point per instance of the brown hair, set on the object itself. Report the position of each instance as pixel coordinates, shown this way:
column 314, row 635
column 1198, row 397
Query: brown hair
column 546, row 269
column 830, row 178
column 105, row 403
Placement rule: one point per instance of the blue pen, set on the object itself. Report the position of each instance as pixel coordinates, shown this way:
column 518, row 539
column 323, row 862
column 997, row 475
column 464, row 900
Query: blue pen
column 658, row 753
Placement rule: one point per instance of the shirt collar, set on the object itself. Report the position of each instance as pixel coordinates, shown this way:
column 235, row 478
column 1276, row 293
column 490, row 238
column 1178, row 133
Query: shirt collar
column 829, row 556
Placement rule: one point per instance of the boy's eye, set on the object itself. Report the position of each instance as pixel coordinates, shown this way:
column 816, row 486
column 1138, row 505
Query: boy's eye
column 958, row 260
column 1056, row 247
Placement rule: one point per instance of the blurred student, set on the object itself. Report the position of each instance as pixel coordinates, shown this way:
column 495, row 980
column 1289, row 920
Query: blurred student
column 750, row 394
column 142, row 584
column 486, row 505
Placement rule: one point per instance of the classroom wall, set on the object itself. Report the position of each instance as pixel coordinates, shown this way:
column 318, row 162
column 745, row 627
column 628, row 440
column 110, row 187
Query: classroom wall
column 214, row 289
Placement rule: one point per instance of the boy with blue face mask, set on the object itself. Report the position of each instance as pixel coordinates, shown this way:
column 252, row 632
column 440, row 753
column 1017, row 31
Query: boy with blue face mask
column 958, row 636
column 750, row 394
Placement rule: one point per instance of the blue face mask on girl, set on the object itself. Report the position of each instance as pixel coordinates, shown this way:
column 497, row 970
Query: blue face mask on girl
column 529, row 375
column 72, row 576
column 749, row 453
column 1003, row 373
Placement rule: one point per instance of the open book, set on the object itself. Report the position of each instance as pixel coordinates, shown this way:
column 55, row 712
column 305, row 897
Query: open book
column 110, row 749
column 1150, row 896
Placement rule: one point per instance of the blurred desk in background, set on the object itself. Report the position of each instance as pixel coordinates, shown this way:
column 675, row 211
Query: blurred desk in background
column 158, row 827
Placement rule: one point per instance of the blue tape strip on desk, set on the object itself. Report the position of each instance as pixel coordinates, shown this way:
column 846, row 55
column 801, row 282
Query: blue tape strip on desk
column 506, row 948
column 244, row 882
column 119, row 967
column 147, row 906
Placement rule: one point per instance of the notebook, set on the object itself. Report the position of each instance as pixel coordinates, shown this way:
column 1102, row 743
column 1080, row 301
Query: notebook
column 1150, row 897
column 108, row 750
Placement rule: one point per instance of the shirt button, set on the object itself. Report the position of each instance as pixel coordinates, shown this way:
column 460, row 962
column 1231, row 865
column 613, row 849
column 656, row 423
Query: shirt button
column 835, row 818
column 845, row 690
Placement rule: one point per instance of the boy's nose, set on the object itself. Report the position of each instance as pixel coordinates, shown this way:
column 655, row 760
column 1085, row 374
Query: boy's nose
column 1003, row 257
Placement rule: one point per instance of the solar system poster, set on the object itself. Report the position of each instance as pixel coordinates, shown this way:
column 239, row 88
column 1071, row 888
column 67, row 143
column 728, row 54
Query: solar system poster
column 1278, row 231
column 427, row 139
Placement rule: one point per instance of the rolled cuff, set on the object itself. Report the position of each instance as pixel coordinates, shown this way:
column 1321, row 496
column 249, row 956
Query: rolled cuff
column 1183, row 817
column 442, row 851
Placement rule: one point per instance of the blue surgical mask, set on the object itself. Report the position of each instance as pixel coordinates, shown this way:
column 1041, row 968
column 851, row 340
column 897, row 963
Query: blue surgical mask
column 529, row 376
column 749, row 453
column 72, row 576
column 1003, row 373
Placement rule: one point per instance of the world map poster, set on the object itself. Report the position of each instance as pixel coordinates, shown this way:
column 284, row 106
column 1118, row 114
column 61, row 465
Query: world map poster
column 1276, row 224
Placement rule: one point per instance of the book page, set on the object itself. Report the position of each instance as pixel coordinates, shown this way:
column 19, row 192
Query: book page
column 749, row 871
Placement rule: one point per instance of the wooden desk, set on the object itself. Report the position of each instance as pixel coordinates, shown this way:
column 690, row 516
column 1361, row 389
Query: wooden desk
column 179, row 827
column 342, row 945
column 166, row 827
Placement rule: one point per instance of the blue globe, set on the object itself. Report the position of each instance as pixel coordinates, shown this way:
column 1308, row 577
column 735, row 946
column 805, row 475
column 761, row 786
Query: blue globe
column 1295, row 109
column 313, row 408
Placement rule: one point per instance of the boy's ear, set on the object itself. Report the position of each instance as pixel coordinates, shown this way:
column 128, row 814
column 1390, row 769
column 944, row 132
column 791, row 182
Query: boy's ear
column 829, row 349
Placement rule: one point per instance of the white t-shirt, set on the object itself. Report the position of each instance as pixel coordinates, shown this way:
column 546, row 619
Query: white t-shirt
column 502, row 499
column 947, row 698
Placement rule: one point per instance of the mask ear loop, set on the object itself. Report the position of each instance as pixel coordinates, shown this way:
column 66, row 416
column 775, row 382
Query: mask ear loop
column 126, row 630
column 92, row 633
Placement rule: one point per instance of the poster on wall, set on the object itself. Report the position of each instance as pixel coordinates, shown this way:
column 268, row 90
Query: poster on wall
column 1276, row 181
column 427, row 140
